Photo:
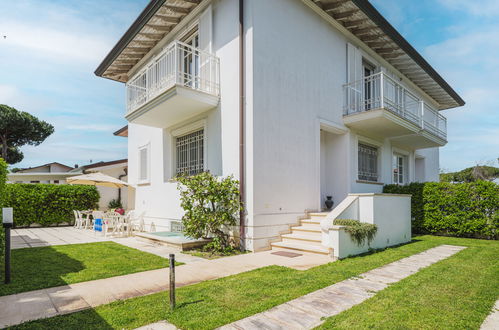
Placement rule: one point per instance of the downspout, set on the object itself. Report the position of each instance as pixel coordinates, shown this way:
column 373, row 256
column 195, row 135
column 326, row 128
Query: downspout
column 242, row 183
column 119, row 178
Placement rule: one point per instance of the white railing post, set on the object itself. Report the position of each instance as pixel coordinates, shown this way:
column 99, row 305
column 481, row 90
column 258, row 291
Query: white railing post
column 382, row 91
column 421, row 110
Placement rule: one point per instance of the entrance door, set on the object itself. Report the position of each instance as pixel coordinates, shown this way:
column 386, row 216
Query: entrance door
column 191, row 60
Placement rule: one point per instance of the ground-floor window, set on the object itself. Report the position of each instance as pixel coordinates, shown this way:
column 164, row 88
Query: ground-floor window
column 189, row 153
column 368, row 163
column 144, row 154
column 399, row 168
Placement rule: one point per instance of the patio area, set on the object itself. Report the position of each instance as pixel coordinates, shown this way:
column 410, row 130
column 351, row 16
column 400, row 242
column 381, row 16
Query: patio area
column 47, row 236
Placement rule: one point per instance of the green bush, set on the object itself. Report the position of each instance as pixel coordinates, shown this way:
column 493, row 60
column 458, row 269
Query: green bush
column 114, row 204
column 3, row 179
column 211, row 206
column 48, row 204
column 360, row 232
column 454, row 209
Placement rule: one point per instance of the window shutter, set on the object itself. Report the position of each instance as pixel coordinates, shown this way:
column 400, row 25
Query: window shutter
column 354, row 63
column 143, row 165
column 206, row 30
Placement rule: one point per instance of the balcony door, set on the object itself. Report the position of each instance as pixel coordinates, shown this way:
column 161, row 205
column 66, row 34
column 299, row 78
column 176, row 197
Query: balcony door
column 368, row 71
column 190, row 60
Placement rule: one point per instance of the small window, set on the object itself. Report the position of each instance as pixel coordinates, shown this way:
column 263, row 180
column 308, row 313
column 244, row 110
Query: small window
column 399, row 169
column 56, row 181
column 368, row 163
column 144, row 164
column 189, row 152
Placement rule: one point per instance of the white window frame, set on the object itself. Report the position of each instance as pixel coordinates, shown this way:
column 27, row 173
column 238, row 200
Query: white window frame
column 184, row 130
column 396, row 166
column 147, row 180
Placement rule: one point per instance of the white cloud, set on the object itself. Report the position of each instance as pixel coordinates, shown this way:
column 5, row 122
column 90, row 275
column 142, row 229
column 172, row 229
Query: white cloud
column 63, row 44
column 93, row 127
column 475, row 7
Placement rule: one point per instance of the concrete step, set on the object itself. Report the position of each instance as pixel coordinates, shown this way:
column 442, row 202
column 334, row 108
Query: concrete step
column 311, row 221
column 309, row 238
column 318, row 215
column 308, row 228
column 301, row 247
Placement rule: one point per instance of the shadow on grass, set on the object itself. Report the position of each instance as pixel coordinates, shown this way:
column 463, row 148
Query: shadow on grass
column 189, row 303
column 87, row 319
column 38, row 268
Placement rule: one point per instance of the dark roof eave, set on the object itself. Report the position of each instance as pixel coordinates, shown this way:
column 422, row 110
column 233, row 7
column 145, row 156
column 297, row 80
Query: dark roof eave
column 134, row 29
column 387, row 28
column 121, row 130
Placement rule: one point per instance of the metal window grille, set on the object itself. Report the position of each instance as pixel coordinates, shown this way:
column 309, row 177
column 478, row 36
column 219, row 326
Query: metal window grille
column 190, row 153
column 368, row 163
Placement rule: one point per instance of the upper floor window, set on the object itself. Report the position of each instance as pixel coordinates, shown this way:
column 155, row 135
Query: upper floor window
column 144, row 156
column 367, row 163
column 189, row 150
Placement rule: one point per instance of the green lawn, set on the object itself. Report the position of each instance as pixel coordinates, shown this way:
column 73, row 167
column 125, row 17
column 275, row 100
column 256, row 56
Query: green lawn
column 459, row 291
column 45, row 267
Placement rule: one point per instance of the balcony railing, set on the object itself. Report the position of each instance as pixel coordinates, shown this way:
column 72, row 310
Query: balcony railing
column 380, row 91
column 178, row 64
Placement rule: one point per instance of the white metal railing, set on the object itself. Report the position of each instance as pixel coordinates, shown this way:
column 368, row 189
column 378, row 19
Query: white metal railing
column 178, row 64
column 381, row 91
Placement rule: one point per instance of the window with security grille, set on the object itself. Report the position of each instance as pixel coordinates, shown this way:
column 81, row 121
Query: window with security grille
column 368, row 163
column 190, row 153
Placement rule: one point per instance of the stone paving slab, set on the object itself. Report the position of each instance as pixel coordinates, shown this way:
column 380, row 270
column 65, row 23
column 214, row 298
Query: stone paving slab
column 492, row 321
column 15, row 309
column 309, row 311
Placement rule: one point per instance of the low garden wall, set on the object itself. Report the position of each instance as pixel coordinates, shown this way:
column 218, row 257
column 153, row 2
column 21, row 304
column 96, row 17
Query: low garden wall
column 453, row 209
column 48, row 204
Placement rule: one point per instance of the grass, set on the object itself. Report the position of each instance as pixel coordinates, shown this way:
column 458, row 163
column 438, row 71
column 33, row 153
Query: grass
column 211, row 255
column 45, row 267
column 456, row 293
column 466, row 301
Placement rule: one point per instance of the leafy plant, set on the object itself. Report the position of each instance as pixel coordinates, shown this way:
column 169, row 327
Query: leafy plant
column 360, row 232
column 454, row 209
column 19, row 128
column 48, row 204
column 211, row 206
column 471, row 174
column 114, row 204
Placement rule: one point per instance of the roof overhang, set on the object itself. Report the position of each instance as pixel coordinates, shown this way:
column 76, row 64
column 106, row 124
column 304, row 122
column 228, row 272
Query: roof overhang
column 362, row 20
column 156, row 20
column 358, row 17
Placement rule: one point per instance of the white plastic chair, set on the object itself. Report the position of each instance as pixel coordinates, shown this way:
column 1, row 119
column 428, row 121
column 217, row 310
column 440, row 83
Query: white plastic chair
column 77, row 224
column 136, row 221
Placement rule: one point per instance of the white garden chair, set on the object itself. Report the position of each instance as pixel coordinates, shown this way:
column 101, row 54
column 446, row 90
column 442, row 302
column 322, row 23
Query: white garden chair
column 136, row 221
column 112, row 223
column 77, row 224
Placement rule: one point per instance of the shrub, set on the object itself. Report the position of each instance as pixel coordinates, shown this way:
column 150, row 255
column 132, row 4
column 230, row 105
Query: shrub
column 48, row 204
column 114, row 204
column 3, row 179
column 211, row 206
column 360, row 232
column 454, row 209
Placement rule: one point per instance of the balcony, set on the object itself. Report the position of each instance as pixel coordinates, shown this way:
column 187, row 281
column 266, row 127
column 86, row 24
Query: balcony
column 380, row 105
column 180, row 82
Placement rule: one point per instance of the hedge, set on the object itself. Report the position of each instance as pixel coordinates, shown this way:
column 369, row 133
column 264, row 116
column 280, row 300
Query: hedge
column 3, row 179
column 48, row 204
column 453, row 209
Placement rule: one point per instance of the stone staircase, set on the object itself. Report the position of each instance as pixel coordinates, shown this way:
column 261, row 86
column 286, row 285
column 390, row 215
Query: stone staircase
column 305, row 237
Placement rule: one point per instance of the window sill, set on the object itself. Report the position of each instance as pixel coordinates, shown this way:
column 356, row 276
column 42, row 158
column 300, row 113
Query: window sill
column 370, row 182
column 144, row 183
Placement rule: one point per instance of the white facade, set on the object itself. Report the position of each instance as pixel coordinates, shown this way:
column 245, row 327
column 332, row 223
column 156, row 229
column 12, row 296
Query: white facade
column 299, row 146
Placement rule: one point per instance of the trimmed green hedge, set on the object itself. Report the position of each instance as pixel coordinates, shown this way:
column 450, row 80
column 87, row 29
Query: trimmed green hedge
column 48, row 204
column 3, row 179
column 453, row 209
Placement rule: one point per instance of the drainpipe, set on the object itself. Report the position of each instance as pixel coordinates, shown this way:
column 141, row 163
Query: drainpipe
column 242, row 183
column 119, row 178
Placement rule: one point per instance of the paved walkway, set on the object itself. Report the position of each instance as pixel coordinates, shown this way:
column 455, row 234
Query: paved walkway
column 19, row 308
column 492, row 321
column 36, row 237
column 310, row 310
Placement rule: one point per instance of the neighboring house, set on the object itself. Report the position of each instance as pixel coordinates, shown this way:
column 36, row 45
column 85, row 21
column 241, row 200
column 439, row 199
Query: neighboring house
column 307, row 99
column 56, row 173
column 47, row 173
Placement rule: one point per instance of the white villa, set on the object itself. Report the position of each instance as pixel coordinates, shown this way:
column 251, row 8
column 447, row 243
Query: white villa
column 299, row 99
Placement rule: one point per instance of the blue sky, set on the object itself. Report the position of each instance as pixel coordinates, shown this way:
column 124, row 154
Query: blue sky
column 53, row 47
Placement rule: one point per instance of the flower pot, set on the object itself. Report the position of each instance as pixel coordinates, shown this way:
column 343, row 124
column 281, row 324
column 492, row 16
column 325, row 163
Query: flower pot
column 329, row 203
